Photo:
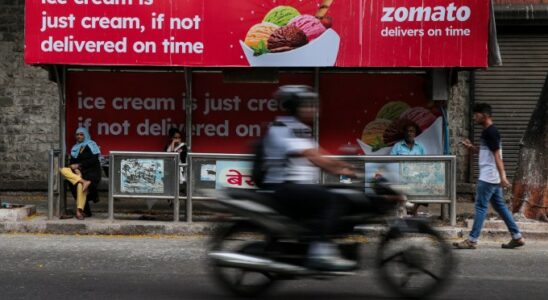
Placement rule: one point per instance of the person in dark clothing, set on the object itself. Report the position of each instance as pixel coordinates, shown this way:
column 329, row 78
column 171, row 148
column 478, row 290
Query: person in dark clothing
column 176, row 145
column 84, row 171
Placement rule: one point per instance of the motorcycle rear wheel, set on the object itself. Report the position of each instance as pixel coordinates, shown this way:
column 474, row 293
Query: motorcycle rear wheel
column 242, row 238
column 414, row 264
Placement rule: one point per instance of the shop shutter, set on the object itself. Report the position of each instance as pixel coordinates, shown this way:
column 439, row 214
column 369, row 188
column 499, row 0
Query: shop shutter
column 512, row 90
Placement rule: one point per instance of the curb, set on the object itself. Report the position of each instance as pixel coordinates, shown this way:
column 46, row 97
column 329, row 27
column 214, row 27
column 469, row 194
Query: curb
column 456, row 233
column 129, row 229
column 134, row 228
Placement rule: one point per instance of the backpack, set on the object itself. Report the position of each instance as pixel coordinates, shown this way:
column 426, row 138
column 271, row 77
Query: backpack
column 260, row 166
column 258, row 171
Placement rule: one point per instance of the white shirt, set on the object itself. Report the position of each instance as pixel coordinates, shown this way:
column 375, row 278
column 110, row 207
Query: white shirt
column 490, row 142
column 284, row 144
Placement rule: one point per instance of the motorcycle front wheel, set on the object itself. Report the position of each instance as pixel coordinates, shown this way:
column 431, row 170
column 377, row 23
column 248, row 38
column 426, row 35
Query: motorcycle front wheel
column 247, row 239
column 414, row 263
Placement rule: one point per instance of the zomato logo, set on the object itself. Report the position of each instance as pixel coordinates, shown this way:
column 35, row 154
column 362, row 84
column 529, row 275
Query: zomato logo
column 427, row 13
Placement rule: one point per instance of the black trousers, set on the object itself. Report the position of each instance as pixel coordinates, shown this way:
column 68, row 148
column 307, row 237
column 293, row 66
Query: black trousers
column 310, row 202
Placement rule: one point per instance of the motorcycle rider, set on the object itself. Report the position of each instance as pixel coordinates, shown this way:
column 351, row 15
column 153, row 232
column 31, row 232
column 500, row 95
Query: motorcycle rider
column 292, row 166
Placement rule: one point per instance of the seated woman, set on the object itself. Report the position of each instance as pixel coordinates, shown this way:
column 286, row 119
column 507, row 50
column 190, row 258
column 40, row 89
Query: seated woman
column 84, row 171
column 176, row 144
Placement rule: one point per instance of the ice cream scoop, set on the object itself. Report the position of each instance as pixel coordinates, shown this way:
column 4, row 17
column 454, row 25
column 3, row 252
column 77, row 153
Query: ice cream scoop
column 392, row 110
column 310, row 25
column 374, row 130
column 286, row 38
column 260, row 32
column 420, row 116
column 281, row 15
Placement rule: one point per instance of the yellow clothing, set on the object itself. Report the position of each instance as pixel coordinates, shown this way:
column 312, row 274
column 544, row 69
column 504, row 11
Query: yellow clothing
column 75, row 180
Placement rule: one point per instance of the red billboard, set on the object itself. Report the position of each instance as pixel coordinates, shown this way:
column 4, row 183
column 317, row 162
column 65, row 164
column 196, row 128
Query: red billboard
column 284, row 33
column 134, row 111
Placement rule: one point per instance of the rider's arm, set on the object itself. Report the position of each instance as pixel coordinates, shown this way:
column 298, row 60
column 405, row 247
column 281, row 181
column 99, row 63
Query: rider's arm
column 316, row 156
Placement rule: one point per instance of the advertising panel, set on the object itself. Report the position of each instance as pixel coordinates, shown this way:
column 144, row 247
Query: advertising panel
column 342, row 33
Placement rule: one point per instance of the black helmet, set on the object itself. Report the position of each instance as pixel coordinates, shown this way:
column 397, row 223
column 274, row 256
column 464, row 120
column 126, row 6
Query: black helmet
column 294, row 96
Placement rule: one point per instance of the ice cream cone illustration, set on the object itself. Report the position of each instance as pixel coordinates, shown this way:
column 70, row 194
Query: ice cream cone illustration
column 287, row 38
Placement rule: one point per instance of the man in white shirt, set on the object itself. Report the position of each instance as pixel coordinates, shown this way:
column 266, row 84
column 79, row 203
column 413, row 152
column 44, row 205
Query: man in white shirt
column 293, row 162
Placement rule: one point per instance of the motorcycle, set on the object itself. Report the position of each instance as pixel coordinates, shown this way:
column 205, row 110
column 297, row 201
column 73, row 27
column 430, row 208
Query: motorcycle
column 262, row 247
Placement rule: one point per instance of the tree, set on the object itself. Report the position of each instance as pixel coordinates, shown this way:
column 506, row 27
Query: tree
column 530, row 187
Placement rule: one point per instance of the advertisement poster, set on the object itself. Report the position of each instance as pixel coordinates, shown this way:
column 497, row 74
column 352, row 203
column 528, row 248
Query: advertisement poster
column 134, row 111
column 413, row 178
column 258, row 33
column 142, row 176
column 234, row 174
column 208, row 172
column 381, row 171
column 424, row 178
column 369, row 111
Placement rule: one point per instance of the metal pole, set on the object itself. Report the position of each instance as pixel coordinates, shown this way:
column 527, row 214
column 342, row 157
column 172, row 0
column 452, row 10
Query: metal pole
column 454, row 192
column 189, row 188
column 177, row 170
column 188, row 127
column 61, row 87
column 50, row 185
column 188, row 108
column 110, row 187
column 60, row 184
column 316, row 129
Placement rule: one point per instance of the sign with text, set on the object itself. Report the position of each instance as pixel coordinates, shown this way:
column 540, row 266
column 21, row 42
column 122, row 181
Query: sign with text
column 134, row 111
column 343, row 33
column 234, row 174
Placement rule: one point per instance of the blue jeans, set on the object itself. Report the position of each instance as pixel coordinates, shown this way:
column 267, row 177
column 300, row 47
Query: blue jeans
column 490, row 192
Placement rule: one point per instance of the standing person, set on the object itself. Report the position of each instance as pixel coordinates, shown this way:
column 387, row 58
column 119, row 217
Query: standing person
column 409, row 146
column 293, row 162
column 491, row 181
column 84, row 171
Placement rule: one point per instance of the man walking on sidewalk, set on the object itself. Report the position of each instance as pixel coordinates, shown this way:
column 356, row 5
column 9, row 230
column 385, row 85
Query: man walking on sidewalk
column 491, row 181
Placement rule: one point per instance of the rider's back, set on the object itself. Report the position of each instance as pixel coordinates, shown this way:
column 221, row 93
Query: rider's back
column 284, row 143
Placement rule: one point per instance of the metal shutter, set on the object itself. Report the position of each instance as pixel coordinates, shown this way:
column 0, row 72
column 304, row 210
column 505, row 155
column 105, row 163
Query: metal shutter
column 512, row 90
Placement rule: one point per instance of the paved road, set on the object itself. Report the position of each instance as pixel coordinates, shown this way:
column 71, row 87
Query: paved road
column 66, row 267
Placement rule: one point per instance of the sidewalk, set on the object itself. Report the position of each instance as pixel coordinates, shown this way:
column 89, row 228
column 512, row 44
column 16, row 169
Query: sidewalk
column 494, row 230
column 129, row 221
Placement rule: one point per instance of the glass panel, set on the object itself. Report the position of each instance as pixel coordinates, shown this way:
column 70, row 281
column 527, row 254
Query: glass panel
column 417, row 179
column 424, row 178
column 209, row 174
column 144, row 176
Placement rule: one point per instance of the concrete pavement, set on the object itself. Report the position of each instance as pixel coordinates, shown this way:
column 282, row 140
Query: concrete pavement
column 106, row 267
column 99, row 225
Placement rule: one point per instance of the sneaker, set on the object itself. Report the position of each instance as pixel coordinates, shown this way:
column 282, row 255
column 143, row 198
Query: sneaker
column 331, row 263
column 325, row 256
column 466, row 244
column 514, row 244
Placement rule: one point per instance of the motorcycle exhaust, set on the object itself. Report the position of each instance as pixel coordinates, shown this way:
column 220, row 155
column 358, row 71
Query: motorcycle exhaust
column 242, row 261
